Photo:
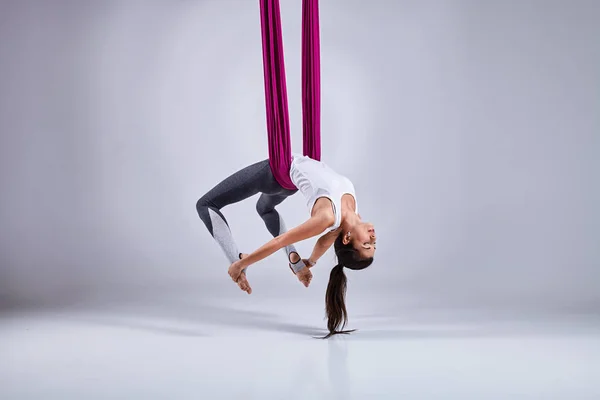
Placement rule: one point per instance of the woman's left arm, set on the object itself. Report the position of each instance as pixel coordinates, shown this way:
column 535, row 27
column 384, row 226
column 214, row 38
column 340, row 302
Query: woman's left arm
column 312, row 227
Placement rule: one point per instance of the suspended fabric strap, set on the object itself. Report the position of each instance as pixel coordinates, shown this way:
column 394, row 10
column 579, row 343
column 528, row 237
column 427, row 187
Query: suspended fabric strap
column 311, row 80
column 278, row 126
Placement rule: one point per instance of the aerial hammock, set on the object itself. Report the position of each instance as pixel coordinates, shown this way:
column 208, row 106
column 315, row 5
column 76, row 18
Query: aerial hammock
column 330, row 196
column 278, row 127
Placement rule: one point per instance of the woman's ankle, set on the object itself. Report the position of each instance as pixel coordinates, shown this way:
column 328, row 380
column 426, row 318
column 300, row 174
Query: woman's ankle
column 294, row 257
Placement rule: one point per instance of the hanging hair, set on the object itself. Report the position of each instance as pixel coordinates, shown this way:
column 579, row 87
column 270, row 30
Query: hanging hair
column 335, row 297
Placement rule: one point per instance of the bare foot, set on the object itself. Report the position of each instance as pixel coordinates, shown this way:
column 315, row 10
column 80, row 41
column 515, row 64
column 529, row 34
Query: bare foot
column 242, row 281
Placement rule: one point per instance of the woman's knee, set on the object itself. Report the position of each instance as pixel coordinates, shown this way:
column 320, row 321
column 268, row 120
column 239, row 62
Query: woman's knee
column 262, row 207
column 203, row 204
column 265, row 205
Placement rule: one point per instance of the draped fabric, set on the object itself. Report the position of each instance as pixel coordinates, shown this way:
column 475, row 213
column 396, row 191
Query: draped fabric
column 278, row 124
column 311, row 80
column 278, row 121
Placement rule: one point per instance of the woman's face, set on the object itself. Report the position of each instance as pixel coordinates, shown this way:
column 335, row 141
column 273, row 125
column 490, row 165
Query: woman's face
column 364, row 240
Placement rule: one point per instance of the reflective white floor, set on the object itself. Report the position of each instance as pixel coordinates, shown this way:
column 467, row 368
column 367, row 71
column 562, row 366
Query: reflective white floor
column 126, row 355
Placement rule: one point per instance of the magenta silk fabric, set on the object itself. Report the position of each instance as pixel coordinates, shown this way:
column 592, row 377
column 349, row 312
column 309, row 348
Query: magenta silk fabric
column 278, row 125
column 311, row 80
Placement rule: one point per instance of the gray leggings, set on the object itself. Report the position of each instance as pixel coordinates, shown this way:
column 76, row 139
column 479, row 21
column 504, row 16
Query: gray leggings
column 256, row 178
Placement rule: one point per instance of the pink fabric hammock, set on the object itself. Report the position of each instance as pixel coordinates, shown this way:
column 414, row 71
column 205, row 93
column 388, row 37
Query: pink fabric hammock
column 278, row 125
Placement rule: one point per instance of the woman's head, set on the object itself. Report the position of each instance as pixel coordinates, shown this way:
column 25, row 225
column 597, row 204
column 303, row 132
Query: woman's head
column 350, row 254
column 362, row 238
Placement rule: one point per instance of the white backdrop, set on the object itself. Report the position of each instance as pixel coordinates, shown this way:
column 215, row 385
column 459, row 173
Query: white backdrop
column 470, row 130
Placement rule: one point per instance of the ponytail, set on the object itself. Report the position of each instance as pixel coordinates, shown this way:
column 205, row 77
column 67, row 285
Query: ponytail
column 335, row 297
column 335, row 301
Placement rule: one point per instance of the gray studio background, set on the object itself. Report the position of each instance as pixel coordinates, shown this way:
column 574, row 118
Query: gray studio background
column 471, row 131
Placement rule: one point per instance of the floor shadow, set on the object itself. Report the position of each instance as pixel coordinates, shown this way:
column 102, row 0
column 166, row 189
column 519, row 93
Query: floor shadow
column 136, row 324
column 205, row 317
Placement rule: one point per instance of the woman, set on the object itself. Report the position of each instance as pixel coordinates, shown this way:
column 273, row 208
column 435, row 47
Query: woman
column 332, row 204
column 330, row 196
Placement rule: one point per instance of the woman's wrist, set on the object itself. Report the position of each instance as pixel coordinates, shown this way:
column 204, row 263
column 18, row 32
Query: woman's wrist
column 244, row 262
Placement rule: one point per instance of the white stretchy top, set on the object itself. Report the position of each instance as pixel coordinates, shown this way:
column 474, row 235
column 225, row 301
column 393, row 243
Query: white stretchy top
column 315, row 179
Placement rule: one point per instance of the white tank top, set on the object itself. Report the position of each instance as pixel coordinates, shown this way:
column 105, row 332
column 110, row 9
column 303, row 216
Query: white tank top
column 315, row 179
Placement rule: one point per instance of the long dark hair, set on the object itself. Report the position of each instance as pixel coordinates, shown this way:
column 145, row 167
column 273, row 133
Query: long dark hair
column 335, row 297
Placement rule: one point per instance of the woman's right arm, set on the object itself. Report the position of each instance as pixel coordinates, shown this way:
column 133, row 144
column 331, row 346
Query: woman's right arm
column 323, row 244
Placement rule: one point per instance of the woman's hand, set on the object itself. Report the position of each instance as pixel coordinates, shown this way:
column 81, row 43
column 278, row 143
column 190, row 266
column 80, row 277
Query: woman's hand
column 304, row 275
column 236, row 272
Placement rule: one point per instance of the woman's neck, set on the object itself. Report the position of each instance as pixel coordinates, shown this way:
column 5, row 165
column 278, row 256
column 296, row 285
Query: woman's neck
column 349, row 220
